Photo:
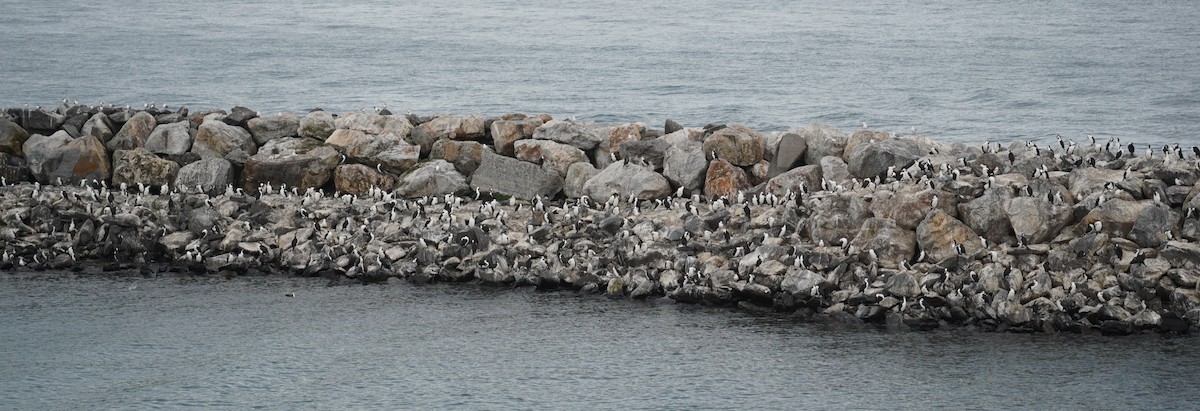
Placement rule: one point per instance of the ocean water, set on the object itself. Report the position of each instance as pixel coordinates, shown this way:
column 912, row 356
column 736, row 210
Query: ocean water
column 990, row 70
column 73, row 342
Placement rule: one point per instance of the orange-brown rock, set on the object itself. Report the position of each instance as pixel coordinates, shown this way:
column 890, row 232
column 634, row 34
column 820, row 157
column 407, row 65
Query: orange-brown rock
column 724, row 179
column 357, row 179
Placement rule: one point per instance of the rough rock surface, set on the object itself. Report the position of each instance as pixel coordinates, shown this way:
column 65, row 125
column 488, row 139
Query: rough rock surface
column 584, row 135
column 796, row 180
column 872, row 159
column 724, row 179
column 448, row 127
column 737, row 144
column 210, row 176
column 134, row 133
column 939, row 232
column 1035, row 219
column 388, row 151
column 822, row 140
column 268, row 128
column 620, row 134
column 12, row 137
column 555, row 156
column 172, row 138
column 577, row 175
column 431, row 178
column 629, row 181
column 837, row 217
column 891, row 243
column 83, row 158
column 684, row 165
column 99, row 126
column 988, row 215
column 317, row 124
column 217, row 139
column 358, row 179
column 506, row 132
column 465, row 155
column 141, row 166
column 509, row 176
column 296, row 162
column 788, row 153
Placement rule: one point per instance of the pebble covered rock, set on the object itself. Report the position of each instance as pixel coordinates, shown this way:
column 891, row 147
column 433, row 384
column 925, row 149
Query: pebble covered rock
column 873, row 228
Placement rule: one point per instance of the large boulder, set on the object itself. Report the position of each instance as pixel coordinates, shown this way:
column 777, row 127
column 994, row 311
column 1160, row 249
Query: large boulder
column 388, row 151
column 38, row 146
column 837, row 217
column 141, row 166
column 210, row 176
column 357, row 179
column 834, row 169
column 822, row 140
column 1035, row 219
column 618, row 135
column 296, row 162
column 687, row 135
column 584, row 135
column 903, row 285
column 216, row 139
column 578, row 174
column 134, row 133
column 317, row 124
column 465, row 155
column 1150, row 226
column 1181, row 254
column 862, row 137
column 506, row 132
column 892, row 243
column 737, row 144
column 84, row 158
column 874, row 158
column 448, row 128
column 988, row 214
column 627, row 180
column 1087, row 180
column 172, row 139
column 13, row 169
column 807, row 176
column 238, row 116
column 43, row 120
column 909, row 205
column 553, row 155
column 652, row 151
column 374, row 124
column 938, row 233
column 268, row 128
column 12, row 137
column 724, row 179
column 789, row 153
column 98, row 126
column 1117, row 216
column 684, row 165
column 431, row 178
column 800, row 283
column 509, row 176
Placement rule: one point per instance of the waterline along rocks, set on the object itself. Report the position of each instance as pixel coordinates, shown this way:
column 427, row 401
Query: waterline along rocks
column 868, row 227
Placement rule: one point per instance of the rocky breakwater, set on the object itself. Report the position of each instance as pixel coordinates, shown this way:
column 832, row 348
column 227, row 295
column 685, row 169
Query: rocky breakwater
column 862, row 228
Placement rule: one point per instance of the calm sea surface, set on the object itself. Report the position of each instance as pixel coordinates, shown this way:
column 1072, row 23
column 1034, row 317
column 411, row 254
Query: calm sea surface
column 105, row 342
column 995, row 70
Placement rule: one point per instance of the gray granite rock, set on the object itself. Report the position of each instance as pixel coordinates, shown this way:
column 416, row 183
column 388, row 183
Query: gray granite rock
column 172, row 139
column 509, row 176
